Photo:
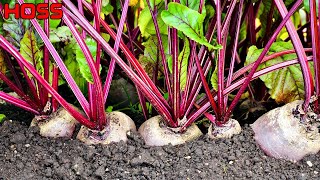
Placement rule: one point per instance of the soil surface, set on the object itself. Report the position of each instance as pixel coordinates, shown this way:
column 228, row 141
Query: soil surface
column 26, row 155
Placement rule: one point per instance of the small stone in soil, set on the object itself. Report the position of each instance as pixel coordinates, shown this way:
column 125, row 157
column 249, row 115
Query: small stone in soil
column 309, row 163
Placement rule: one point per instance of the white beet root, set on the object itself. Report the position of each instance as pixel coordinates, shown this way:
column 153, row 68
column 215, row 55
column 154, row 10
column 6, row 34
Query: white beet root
column 282, row 134
column 120, row 125
column 156, row 133
column 57, row 124
column 227, row 130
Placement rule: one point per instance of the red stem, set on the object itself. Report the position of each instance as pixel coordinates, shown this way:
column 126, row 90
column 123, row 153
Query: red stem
column 206, row 87
column 144, row 87
column 162, row 53
column 92, row 87
column 235, row 45
column 55, row 83
column 308, row 81
column 221, row 106
column 133, row 61
column 258, row 62
column 20, row 93
column 315, row 49
column 83, row 102
column 175, row 75
column 18, row 102
column 243, row 70
column 205, row 107
column 31, row 85
column 46, row 63
column 99, row 104
column 116, row 49
column 6, row 45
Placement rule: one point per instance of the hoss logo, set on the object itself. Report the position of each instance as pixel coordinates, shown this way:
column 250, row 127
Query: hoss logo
column 39, row 11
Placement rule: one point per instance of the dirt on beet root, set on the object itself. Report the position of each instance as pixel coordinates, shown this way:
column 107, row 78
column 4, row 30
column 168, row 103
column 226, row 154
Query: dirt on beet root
column 24, row 154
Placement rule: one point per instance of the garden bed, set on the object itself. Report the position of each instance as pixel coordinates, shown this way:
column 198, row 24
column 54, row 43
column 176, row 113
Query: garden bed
column 26, row 155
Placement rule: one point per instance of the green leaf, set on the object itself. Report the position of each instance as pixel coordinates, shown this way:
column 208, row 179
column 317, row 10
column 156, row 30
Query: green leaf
column 105, row 36
column 83, row 65
column 170, row 64
column 31, row 52
column 194, row 4
column 285, row 85
column 152, row 3
column 3, row 67
column 146, row 24
column 151, row 50
column 183, row 63
column 189, row 21
column 307, row 5
column 73, row 66
column 60, row 34
column 109, row 109
column 1, row 26
column 107, row 9
column 214, row 78
column 152, row 53
column 53, row 23
column 2, row 118
column 14, row 30
column 263, row 13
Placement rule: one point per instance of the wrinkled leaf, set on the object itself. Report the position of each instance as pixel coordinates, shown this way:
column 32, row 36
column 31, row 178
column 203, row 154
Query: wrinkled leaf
column 189, row 21
column 83, row 65
column 285, row 85
column 60, row 34
column 146, row 24
column 151, row 50
column 31, row 52
column 152, row 53
column 14, row 29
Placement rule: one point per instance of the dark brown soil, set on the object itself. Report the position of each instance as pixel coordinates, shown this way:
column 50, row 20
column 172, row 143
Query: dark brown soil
column 26, row 155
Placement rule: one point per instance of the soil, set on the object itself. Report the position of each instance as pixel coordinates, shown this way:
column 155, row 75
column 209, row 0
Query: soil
column 26, row 155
